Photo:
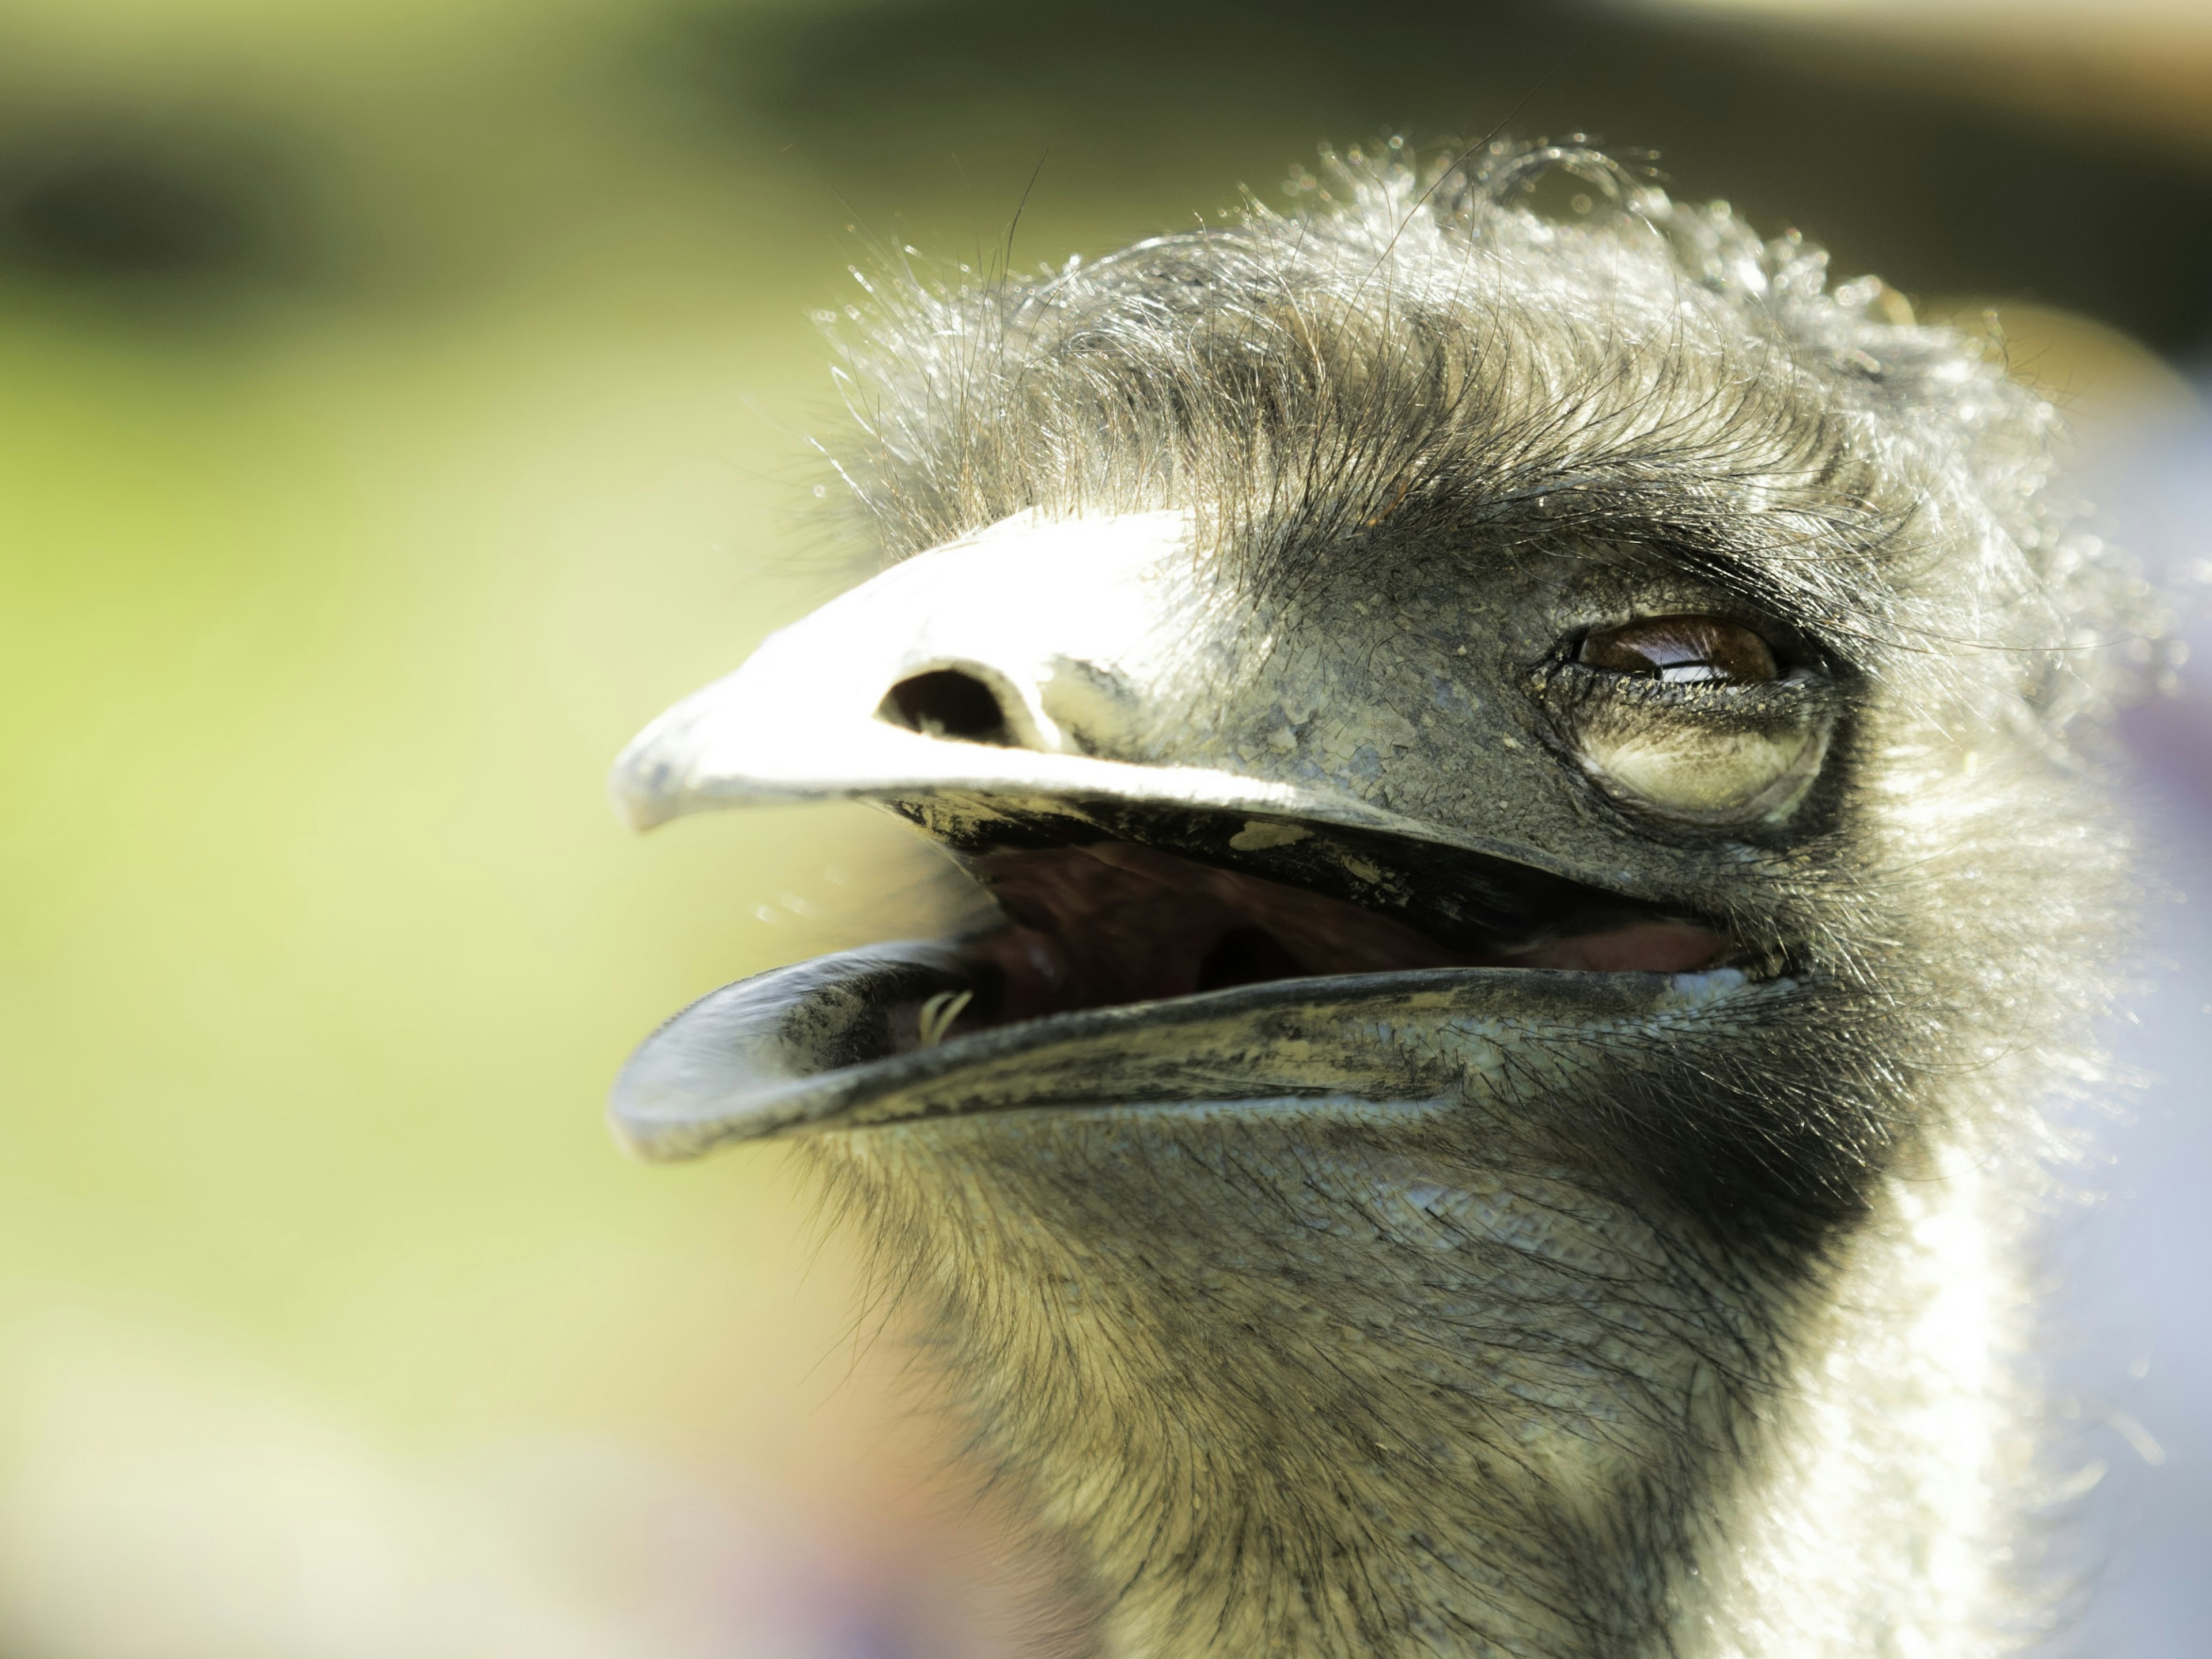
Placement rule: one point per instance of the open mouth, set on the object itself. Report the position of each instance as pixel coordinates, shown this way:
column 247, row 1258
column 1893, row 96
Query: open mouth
column 1175, row 953
column 1106, row 922
column 1170, row 937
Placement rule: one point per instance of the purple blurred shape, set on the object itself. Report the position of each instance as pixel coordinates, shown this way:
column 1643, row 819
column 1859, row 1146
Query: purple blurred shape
column 2136, row 1298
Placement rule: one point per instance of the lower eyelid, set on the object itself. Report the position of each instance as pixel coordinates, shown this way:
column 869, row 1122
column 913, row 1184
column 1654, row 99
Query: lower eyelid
column 1703, row 773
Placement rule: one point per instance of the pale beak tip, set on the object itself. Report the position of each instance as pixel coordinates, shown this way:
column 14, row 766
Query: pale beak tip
column 625, row 1139
column 645, row 788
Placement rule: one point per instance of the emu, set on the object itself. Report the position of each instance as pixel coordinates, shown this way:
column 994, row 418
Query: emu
column 1540, row 777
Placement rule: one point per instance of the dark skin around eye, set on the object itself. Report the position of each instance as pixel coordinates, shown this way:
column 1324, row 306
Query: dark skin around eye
column 1683, row 649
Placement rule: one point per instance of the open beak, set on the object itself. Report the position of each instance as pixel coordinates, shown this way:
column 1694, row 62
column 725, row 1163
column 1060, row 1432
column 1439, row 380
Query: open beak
column 1178, row 934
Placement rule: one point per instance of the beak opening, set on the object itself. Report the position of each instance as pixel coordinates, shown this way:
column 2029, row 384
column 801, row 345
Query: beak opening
column 1143, row 960
column 1172, row 934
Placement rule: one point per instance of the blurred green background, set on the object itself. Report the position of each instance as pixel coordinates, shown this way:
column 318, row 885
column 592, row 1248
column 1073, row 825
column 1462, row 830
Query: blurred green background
column 400, row 404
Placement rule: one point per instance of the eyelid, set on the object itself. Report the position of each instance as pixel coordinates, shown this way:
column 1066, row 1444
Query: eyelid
column 1704, row 774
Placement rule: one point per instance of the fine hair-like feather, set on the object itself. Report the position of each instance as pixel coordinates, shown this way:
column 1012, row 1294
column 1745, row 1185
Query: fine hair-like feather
column 1730, row 1363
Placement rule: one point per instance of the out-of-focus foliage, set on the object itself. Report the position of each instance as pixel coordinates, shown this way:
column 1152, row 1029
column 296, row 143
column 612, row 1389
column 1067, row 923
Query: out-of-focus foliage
column 381, row 440
column 398, row 404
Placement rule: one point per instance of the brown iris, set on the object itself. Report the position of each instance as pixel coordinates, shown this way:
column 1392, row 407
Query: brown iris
column 1682, row 650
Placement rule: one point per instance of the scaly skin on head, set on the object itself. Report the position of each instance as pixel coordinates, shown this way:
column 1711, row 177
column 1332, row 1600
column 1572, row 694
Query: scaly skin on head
column 1538, row 772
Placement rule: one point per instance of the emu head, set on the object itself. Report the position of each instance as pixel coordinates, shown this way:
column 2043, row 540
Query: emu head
column 1530, row 776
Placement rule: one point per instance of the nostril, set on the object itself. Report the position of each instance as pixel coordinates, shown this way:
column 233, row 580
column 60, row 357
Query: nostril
column 945, row 702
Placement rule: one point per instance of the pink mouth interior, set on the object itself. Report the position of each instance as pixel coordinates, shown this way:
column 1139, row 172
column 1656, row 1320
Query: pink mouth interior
column 1116, row 923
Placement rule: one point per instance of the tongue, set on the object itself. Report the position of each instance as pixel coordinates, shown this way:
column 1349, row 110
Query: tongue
column 1635, row 947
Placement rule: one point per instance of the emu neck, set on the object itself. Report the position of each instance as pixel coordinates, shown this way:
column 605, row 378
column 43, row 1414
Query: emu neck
column 1879, row 1510
column 1291, row 1397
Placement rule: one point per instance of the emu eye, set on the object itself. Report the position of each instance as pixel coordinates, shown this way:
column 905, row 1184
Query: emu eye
column 1706, row 761
column 1682, row 651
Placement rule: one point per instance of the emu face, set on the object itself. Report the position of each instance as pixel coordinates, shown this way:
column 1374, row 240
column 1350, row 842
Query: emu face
column 1524, row 772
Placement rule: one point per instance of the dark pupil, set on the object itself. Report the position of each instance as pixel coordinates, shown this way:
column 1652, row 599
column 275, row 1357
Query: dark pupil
column 1689, row 650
